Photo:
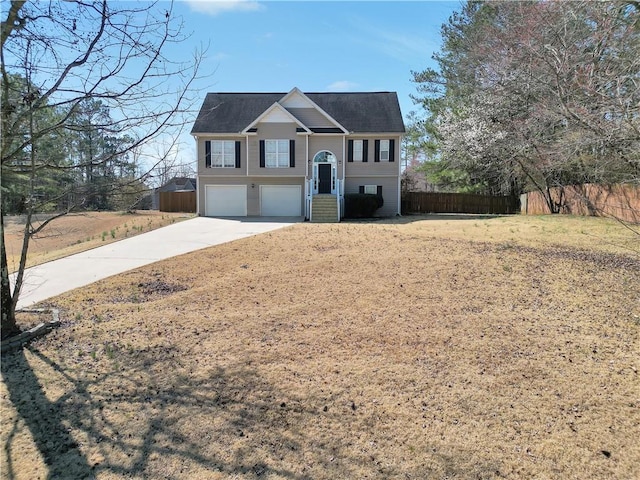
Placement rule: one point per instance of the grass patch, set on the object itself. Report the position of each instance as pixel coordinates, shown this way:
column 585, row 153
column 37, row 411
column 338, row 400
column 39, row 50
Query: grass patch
column 76, row 233
column 386, row 350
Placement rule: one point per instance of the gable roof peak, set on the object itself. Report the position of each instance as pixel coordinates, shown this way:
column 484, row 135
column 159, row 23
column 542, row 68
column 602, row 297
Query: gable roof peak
column 275, row 109
column 298, row 99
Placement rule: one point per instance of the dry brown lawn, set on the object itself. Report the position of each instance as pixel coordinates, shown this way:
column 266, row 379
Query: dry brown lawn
column 423, row 348
column 78, row 232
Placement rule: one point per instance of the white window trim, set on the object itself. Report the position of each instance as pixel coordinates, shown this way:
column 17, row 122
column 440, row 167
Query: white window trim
column 224, row 156
column 358, row 150
column 384, row 150
column 277, row 153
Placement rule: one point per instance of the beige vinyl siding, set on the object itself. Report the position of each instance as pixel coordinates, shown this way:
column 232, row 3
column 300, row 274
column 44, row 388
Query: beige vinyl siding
column 389, row 192
column 253, row 189
column 277, row 131
column 371, row 167
column 223, row 172
column 311, row 117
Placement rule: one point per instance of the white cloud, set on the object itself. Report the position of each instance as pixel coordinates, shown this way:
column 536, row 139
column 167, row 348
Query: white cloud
column 220, row 56
column 400, row 45
column 342, row 86
column 264, row 37
column 215, row 7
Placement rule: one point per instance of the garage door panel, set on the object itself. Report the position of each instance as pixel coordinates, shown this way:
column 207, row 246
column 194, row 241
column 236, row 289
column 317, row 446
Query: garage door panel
column 281, row 200
column 226, row 201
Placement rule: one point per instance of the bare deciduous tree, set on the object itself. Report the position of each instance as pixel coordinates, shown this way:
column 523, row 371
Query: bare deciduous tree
column 74, row 52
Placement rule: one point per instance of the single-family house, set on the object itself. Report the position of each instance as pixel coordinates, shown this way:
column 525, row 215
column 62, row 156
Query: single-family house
column 296, row 153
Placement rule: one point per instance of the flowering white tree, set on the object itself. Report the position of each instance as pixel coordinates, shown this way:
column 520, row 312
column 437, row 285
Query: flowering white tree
column 538, row 94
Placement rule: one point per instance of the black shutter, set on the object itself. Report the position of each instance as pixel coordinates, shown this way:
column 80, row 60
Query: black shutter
column 292, row 153
column 379, row 190
column 237, row 154
column 361, row 189
column 261, row 153
column 392, row 150
column 350, row 151
column 365, row 150
column 207, row 154
column 376, row 152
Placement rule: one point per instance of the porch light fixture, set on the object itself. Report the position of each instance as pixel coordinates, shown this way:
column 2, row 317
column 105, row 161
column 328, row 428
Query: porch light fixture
column 253, row 185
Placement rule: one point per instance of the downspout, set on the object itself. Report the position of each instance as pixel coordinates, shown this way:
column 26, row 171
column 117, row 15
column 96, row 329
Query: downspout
column 247, row 150
column 306, row 162
column 344, row 155
column 344, row 172
column 198, row 179
column 308, row 201
column 399, row 176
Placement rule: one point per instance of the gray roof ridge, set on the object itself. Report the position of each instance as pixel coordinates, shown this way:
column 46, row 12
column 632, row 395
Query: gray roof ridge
column 306, row 93
column 248, row 93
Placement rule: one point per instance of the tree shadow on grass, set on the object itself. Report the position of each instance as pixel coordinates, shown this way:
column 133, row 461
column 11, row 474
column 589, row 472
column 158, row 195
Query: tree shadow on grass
column 162, row 417
column 44, row 419
column 128, row 421
column 151, row 422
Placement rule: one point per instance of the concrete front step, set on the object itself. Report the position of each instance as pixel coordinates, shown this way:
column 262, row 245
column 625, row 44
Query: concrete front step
column 333, row 215
column 324, row 209
column 328, row 211
column 324, row 217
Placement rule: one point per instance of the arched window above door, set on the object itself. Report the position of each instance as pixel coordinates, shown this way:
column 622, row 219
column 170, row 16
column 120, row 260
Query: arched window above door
column 324, row 156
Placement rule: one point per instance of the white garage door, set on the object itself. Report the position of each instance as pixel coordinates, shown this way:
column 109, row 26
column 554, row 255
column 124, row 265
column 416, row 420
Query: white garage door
column 281, row 200
column 226, row 201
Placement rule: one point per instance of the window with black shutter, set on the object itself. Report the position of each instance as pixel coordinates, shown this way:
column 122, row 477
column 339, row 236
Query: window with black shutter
column 207, row 154
column 292, row 153
column 238, row 154
column 262, row 156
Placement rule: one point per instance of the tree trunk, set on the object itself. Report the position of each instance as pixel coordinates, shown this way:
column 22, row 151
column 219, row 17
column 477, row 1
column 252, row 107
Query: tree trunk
column 9, row 326
column 554, row 207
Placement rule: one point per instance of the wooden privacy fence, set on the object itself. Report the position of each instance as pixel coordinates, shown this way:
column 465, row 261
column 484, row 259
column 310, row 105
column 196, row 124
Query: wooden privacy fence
column 435, row 202
column 617, row 201
column 178, row 202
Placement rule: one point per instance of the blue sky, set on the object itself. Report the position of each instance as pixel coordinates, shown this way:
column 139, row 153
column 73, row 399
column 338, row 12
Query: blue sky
column 316, row 46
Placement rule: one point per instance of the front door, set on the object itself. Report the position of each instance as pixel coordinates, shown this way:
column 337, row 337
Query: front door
column 324, row 178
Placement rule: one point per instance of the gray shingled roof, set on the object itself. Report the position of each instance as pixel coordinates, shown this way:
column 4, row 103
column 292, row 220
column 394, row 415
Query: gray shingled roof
column 360, row 112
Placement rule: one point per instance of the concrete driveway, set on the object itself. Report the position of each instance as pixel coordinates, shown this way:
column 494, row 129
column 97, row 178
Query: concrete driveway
column 59, row 276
